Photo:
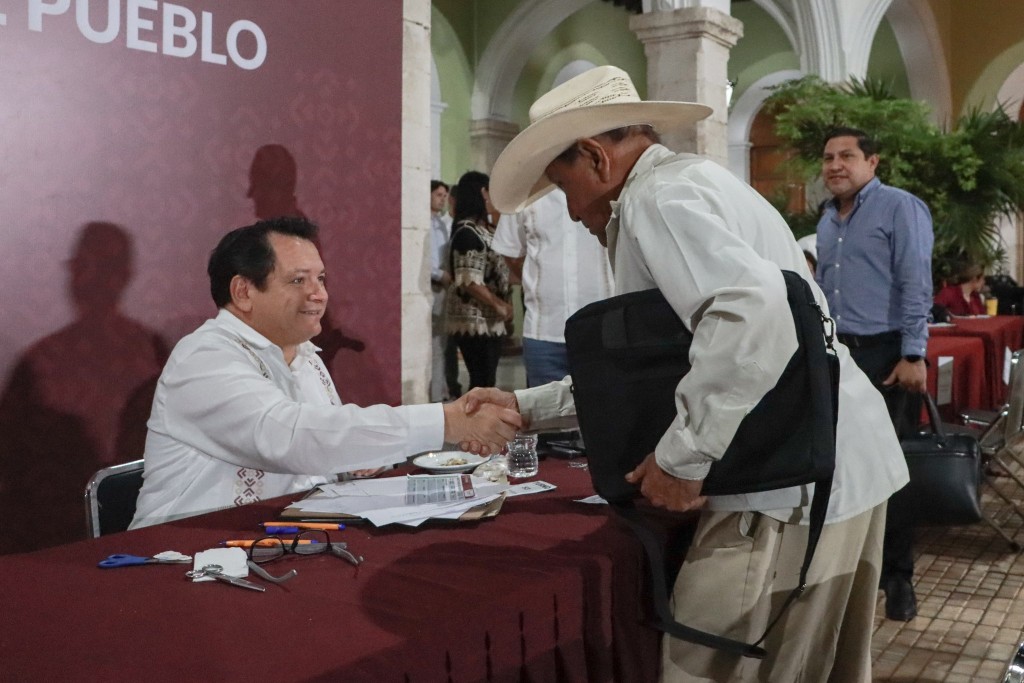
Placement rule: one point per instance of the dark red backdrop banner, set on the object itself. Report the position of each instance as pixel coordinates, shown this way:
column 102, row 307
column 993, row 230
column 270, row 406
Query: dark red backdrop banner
column 128, row 148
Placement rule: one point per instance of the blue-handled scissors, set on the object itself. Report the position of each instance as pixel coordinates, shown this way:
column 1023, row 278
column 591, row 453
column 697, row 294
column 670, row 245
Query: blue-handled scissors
column 122, row 560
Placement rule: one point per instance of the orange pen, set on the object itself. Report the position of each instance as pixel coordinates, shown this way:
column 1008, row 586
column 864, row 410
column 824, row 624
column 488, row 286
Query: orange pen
column 264, row 542
column 306, row 525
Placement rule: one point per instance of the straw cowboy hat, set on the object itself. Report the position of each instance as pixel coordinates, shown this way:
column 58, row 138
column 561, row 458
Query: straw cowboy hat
column 594, row 102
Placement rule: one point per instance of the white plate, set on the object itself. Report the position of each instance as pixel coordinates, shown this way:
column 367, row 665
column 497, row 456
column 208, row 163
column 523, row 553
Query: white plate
column 434, row 462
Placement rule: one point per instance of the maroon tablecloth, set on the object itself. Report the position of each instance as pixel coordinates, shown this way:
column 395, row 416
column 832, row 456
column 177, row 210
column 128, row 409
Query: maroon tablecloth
column 970, row 387
column 549, row 590
column 999, row 334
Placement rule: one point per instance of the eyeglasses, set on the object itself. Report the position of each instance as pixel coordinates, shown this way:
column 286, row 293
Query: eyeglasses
column 309, row 542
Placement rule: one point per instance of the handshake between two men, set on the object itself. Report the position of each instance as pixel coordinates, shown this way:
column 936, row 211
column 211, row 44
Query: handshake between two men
column 484, row 419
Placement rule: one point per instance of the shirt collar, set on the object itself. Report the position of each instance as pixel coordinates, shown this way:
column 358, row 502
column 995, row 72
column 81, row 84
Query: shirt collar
column 256, row 340
column 862, row 195
column 650, row 158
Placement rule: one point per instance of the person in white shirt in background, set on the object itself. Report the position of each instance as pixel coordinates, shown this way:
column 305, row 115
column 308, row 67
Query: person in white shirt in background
column 562, row 269
column 440, row 278
column 245, row 410
column 715, row 249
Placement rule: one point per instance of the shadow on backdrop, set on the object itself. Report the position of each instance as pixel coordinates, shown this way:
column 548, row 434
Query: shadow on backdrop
column 273, row 178
column 77, row 400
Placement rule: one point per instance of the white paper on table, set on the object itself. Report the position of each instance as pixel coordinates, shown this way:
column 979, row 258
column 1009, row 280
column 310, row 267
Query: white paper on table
column 593, row 500
column 366, row 487
column 384, row 501
column 529, row 487
column 233, row 562
column 944, row 380
column 414, row 516
column 428, row 488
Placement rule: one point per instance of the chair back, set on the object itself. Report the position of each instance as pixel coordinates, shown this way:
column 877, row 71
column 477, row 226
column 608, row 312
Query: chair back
column 110, row 498
column 1015, row 397
column 1015, row 669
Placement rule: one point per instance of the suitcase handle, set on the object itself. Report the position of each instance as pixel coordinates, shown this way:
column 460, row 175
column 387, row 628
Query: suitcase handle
column 933, row 417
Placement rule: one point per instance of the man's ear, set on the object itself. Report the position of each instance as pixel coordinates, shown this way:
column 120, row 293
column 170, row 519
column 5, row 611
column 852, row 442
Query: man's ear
column 595, row 156
column 241, row 293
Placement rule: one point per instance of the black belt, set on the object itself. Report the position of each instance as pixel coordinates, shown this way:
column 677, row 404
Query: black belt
column 860, row 341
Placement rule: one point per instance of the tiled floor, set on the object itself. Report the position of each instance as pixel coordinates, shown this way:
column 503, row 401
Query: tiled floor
column 970, row 592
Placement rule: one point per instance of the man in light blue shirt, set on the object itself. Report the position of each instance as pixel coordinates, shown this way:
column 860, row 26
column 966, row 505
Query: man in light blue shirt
column 874, row 266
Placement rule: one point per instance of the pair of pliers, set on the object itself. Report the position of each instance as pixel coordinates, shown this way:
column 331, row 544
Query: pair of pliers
column 215, row 571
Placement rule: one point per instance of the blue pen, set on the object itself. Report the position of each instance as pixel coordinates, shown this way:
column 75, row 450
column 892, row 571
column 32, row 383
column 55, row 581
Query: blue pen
column 295, row 527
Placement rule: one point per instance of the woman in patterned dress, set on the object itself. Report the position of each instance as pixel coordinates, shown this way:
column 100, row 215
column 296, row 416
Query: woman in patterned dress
column 479, row 301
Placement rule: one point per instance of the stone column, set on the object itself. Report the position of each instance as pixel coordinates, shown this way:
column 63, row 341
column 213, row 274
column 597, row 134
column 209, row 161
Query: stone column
column 487, row 137
column 416, row 167
column 687, row 57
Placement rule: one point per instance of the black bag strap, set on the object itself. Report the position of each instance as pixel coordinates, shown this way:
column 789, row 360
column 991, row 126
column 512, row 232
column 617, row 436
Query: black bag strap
column 663, row 618
column 653, row 546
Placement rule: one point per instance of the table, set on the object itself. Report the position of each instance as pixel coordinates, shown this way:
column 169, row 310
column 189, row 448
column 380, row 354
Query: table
column 549, row 590
column 998, row 334
column 970, row 387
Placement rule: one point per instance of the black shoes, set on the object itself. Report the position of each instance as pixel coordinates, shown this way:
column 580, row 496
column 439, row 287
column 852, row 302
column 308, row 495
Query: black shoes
column 900, row 603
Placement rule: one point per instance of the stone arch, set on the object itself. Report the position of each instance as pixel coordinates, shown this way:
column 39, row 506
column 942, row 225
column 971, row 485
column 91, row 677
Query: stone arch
column 1011, row 94
column 996, row 78
column 832, row 40
column 507, row 54
column 741, row 118
column 862, row 20
column 1011, row 97
column 917, row 35
column 1002, row 82
column 784, row 19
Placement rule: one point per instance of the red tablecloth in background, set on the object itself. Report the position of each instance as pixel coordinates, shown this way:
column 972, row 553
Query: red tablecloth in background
column 970, row 387
column 550, row 589
column 998, row 334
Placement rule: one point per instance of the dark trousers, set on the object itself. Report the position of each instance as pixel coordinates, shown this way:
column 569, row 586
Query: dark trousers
column 480, row 353
column 877, row 361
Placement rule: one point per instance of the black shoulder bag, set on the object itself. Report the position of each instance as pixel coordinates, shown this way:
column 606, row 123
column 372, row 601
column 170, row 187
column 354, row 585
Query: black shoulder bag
column 627, row 354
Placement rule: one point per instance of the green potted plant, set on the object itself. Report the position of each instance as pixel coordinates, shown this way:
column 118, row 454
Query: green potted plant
column 968, row 176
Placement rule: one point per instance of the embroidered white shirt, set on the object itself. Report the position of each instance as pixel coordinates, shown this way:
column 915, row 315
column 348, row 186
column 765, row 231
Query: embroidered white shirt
column 233, row 424
column 564, row 268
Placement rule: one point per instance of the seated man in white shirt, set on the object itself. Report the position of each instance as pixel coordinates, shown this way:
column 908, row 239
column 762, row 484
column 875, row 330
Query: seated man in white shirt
column 245, row 410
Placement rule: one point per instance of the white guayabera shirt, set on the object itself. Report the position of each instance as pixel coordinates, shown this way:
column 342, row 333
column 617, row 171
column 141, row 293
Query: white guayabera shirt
column 565, row 267
column 232, row 424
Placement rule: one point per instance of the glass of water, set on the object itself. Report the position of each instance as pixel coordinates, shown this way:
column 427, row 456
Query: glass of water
column 522, row 456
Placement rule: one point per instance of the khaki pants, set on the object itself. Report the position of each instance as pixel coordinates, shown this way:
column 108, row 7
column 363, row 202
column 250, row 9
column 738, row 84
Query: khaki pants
column 737, row 574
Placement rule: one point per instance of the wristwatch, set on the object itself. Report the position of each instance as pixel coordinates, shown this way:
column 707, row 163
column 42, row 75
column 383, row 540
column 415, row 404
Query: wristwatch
column 912, row 358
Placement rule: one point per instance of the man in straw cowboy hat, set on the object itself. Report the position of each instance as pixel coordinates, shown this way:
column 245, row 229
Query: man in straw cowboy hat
column 714, row 247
